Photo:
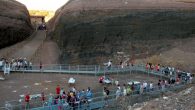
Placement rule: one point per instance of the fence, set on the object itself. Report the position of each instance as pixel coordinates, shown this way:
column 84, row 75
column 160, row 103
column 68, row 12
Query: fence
column 81, row 69
column 87, row 69
column 98, row 101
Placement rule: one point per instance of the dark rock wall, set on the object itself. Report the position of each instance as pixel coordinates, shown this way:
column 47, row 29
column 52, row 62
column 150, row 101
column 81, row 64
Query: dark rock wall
column 96, row 40
column 15, row 22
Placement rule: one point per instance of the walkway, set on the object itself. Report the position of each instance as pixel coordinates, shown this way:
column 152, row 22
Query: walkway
column 90, row 69
column 29, row 49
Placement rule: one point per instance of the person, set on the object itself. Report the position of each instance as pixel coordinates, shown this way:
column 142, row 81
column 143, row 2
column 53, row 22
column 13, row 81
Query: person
column 124, row 90
column 129, row 90
column 61, row 91
column 118, row 93
column 159, row 84
column 163, row 85
column 158, row 67
column 132, row 86
column 40, row 66
column 116, row 82
column 106, row 93
column 50, row 100
column 89, row 95
column 72, row 100
column 59, row 102
column 151, row 86
column 145, row 84
column 121, row 64
column 147, row 66
column 190, row 80
column 74, row 90
column 109, row 65
column 27, row 100
column 42, row 97
column 101, row 79
column 58, row 90
column 64, row 96
column 30, row 65
column 141, row 89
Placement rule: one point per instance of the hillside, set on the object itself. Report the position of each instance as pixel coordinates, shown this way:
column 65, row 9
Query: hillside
column 14, row 22
column 93, row 31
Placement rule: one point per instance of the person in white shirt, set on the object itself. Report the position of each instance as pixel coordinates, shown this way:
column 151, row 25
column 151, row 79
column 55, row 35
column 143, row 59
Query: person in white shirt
column 151, row 86
column 145, row 86
column 109, row 65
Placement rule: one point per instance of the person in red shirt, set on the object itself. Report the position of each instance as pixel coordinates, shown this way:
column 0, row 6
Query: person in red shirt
column 147, row 66
column 27, row 100
column 43, row 97
column 158, row 67
column 58, row 90
column 101, row 79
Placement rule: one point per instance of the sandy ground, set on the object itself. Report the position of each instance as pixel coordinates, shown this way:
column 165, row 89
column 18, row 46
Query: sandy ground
column 24, row 49
column 30, row 48
column 20, row 83
column 48, row 53
column 35, row 48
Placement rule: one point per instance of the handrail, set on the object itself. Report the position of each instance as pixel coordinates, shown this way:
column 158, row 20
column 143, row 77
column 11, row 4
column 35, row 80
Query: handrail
column 100, row 99
column 87, row 69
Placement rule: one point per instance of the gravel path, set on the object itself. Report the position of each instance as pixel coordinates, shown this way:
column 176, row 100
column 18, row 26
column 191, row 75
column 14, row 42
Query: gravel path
column 29, row 49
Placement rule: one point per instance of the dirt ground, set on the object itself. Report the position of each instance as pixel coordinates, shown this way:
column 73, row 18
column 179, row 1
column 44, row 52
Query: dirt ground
column 20, row 83
column 48, row 53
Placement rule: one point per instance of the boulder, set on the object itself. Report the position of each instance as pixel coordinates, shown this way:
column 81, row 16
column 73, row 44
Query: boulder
column 93, row 31
column 15, row 22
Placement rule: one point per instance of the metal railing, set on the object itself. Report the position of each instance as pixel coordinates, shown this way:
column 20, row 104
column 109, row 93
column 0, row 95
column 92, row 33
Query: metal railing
column 85, row 69
column 97, row 101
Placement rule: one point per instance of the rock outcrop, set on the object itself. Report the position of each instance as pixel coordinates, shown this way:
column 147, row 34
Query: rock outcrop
column 92, row 31
column 15, row 22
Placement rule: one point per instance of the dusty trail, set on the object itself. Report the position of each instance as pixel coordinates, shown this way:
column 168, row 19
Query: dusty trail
column 29, row 49
column 35, row 49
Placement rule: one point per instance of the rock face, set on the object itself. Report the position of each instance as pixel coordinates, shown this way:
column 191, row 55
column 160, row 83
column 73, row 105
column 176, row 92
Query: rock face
column 15, row 22
column 91, row 31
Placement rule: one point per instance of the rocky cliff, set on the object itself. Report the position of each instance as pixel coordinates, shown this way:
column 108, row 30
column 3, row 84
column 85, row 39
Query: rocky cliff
column 91, row 31
column 15, row 22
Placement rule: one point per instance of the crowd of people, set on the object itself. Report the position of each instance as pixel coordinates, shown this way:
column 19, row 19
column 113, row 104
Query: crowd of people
column 73, row 98
column 139, row 88
column 15, row 64
column 150, row 66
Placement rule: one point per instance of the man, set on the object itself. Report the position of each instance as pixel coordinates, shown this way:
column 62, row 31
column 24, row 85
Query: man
column 27, row 100
column 106, row 93
column 109, row 65
column 58, row 90
column 40, row 66
column 118, row 93
column 43, row 97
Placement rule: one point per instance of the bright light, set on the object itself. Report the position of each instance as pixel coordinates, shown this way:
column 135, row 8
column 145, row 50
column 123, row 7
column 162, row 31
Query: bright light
column 43, row 4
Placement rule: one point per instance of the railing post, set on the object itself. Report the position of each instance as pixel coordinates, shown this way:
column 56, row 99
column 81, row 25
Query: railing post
column 95, row 70
column 117, row 70
column 78, row 69
column 99, row 68
column 60, row 68
column 69, row 68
